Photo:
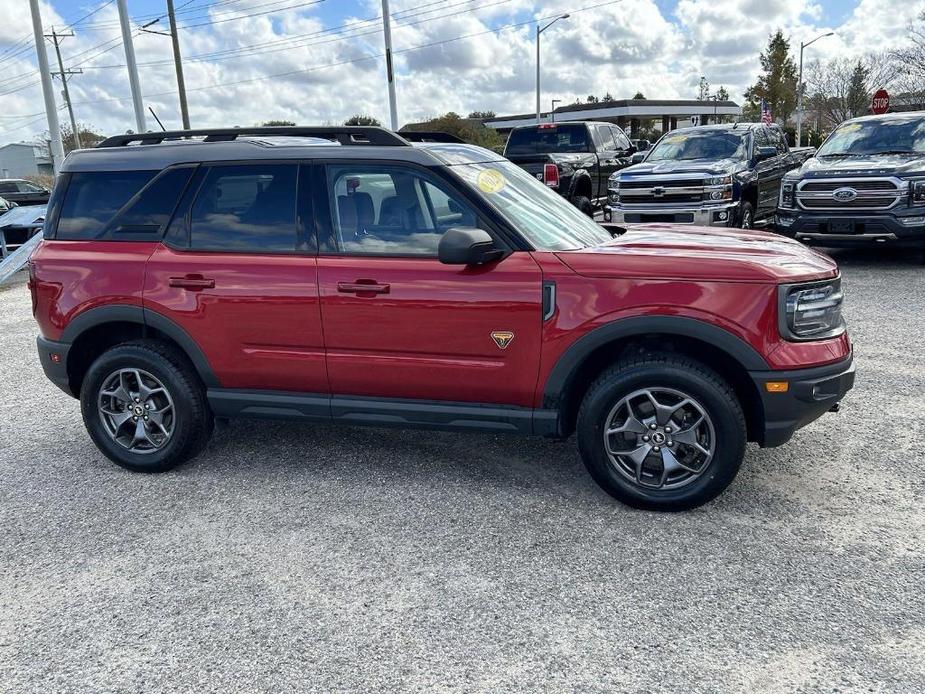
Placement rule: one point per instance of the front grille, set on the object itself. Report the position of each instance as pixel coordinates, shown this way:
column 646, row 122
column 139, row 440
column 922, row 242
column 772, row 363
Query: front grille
column 851, row 194
column 670, row 183
column 630, row 198
column 659, row 191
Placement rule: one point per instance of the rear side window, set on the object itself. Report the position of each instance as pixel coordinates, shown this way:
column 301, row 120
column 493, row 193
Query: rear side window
column 246, row 208
column 92, row 200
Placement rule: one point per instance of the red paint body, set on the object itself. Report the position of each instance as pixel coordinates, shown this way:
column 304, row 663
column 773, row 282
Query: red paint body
column 423, row 330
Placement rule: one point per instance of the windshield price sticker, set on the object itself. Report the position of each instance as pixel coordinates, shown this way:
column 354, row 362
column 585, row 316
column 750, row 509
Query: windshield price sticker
column 850, row 128
column 491, row 181
column 676, row 139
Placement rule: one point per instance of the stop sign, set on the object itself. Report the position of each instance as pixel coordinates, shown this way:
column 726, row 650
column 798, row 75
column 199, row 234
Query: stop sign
column 881, row 102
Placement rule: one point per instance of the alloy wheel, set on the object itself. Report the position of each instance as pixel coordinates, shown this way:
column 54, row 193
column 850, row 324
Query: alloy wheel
column 659, row 438
column 137, row 410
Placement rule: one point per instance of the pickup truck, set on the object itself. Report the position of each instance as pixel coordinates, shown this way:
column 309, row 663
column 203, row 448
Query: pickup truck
column 723, row 175
column 575, row 158
column 865, row 186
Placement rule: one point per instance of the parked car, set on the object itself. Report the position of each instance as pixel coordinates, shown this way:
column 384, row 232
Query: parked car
column 430, row 286
column 573, row 158
column 6, row 205
column 725, row 175
column 23, row 192
column 866, row 185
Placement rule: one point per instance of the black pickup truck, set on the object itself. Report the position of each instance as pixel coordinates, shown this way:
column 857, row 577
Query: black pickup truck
column 865, row 186
column 725, row 175
column 576, row 158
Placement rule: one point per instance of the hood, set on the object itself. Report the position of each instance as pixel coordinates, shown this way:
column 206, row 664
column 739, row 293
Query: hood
column 701, row 253
column 714, row 167
column 867, row 165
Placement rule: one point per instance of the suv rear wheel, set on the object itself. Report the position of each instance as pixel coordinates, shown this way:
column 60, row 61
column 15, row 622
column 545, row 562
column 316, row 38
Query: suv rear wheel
column 144, row 407
column 661, row 432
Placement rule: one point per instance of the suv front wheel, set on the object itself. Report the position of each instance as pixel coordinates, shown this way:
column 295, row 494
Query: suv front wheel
column 661, row 432
column 144, row 407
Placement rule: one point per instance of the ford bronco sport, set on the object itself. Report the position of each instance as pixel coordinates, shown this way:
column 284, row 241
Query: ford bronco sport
column 344, row 275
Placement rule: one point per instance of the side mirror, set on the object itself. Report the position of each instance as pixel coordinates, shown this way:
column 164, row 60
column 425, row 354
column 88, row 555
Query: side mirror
column 467, row 246
column 762, row 153
column 638, row 158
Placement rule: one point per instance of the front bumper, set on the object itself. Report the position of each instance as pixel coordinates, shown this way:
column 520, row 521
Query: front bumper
column 53, row 356
column 810, row 394
column 839, row 229
column 713, row 215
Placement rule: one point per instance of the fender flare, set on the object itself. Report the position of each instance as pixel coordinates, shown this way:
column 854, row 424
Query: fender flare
column 124, row 313
column 565, row 368
column 579, row 175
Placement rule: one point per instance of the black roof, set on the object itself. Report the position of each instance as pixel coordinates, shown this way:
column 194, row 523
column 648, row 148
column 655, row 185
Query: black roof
column 155, row 151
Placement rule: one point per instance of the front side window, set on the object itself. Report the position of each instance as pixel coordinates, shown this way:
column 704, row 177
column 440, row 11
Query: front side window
column 605, row 135
column 246, row 208
column 391, row 210
column 92, row 200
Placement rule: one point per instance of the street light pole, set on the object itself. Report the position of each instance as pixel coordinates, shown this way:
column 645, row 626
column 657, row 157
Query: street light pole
column 800, row 88
column 539, row 31
column 552, row 110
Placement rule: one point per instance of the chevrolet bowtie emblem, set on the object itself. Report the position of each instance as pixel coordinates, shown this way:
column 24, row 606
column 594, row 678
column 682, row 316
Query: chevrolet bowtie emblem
column 502, row 338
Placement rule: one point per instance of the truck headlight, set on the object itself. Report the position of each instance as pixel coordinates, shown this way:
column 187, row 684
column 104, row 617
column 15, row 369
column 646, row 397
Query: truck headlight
column 917, row 192
column 811, row 311
column 717, row 188
column 787, row 189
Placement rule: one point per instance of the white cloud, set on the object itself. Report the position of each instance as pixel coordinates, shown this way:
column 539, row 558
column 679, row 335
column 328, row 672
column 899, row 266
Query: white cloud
column 323, row 76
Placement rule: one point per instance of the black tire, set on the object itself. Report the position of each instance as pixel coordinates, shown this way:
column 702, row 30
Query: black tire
column 584, row 204
column 746, row 218
column 685, row 376
column 190, row 421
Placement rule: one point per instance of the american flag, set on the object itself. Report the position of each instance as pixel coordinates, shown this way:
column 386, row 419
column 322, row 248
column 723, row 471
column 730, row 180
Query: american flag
column 766, row 117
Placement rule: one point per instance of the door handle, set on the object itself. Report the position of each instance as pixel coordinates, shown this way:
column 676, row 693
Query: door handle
column 363, row 287
column 192, row 282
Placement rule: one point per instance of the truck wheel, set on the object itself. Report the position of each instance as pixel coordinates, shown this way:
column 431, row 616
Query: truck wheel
column 144, row 407
column 584, row 204
column 661, row 432
column 747, row 216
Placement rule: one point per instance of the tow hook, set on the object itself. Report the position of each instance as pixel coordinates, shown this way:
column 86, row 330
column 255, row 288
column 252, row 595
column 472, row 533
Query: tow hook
column 835, row 408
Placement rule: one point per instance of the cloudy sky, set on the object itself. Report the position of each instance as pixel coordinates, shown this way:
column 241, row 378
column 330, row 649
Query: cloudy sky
column 320, row 62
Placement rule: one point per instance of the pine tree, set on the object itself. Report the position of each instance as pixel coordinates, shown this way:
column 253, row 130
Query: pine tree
column 858, row 99
column 777, row 84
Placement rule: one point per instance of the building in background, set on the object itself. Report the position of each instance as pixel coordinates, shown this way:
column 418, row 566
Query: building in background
column 22, row 159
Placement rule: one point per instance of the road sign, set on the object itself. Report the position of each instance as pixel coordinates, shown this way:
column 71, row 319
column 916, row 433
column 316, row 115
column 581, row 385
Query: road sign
column 881, row 102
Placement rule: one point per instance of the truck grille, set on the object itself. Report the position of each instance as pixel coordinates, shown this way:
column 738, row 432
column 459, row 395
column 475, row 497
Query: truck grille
column 851, row 194
column 662, row 191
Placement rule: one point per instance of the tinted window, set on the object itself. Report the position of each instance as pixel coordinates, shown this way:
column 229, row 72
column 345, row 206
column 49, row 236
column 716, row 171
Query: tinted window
column 150, row 210
column 548, row 138
column 392, row 211
column 605, row 135
column 9, row 187
column 92, row 200
column 246, row 208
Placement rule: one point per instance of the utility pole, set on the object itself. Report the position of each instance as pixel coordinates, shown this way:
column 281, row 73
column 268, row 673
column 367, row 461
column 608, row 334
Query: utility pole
column 389, row 67
column 51, row 110
column 181, row 84
column 64, row 74
column 134, row 82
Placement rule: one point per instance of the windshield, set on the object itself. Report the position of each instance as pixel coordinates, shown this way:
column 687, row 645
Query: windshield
column 548, row 139
column 546, row 219
column 701, row 144
column 876, row 137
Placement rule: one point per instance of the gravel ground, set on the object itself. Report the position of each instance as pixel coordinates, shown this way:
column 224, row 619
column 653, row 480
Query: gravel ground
column 290, row 557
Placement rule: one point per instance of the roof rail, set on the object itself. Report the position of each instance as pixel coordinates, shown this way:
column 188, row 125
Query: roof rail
column 430, row 136
column 345, row 135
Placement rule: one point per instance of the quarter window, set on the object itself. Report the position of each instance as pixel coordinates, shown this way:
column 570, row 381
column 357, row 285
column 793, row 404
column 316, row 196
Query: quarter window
column 92, row 200
column 392, row 211
column 248, row 208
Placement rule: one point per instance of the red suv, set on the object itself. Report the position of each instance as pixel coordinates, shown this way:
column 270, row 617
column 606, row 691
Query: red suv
column 347, row 275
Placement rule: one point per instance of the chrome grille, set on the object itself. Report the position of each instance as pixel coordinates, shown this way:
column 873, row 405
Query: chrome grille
column 659, row 190
column 851, row 194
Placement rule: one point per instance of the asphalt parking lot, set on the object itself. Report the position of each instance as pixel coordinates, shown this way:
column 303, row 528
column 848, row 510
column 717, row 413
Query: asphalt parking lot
column 332, row 559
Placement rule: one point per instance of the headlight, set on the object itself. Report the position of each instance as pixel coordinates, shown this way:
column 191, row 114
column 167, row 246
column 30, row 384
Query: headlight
column 811, row 311
column 917, row 192
column 717, row 188
column 787, row 189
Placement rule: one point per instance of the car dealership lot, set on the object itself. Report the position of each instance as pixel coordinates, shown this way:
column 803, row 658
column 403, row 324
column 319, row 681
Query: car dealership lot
column 344, row 559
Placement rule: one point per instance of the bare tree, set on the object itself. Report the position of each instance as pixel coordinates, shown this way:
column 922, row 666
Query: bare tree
column 909, row 61
column 841, row 88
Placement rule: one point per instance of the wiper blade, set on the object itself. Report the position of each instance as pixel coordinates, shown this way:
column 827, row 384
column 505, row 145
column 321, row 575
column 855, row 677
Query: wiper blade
column 898, row 151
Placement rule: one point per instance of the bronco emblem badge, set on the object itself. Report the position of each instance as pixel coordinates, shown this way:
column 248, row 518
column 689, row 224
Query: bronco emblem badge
column 502, row 338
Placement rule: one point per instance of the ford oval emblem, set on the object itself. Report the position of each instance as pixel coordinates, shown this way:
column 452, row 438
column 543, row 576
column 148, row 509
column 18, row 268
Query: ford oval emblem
column 845, row 194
